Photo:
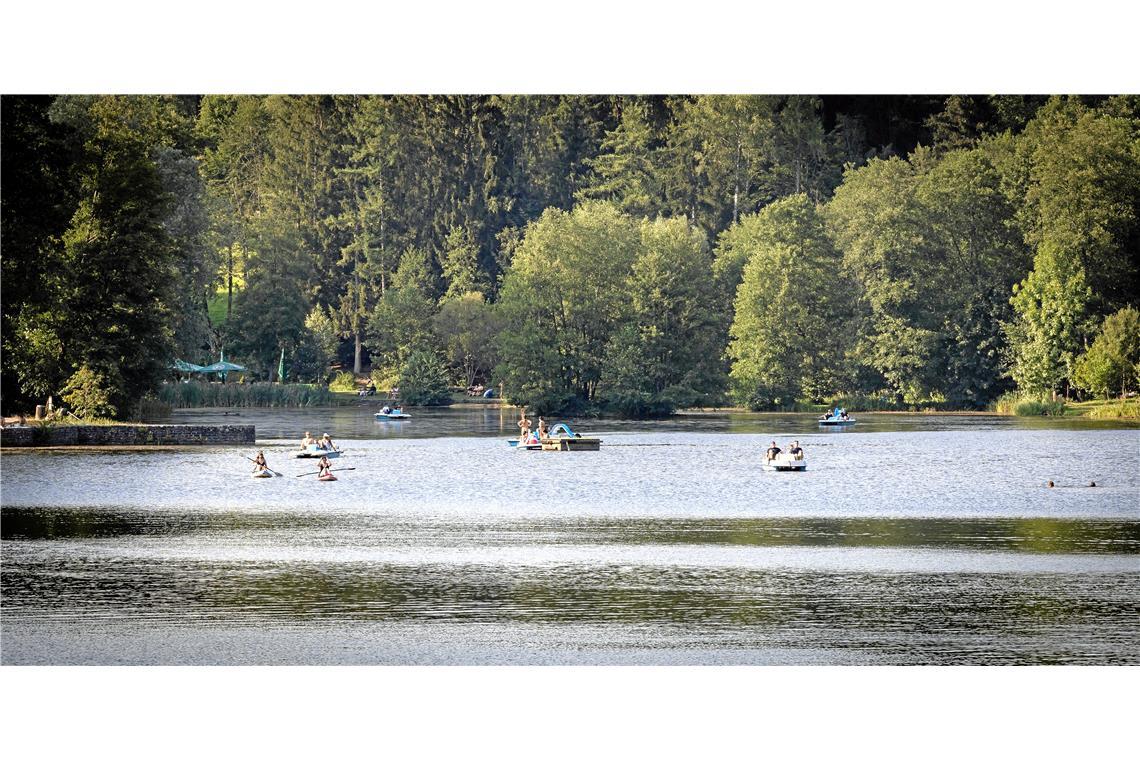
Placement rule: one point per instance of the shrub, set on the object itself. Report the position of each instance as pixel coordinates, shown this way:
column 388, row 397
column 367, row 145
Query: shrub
column 1030, row 408
column 344, row 382
column 423, row 380
column 88, row 394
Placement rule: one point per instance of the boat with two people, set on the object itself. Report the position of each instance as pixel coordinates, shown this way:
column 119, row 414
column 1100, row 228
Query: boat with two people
column 778, row 460
column 315, row 448
column 836, row 417
column 392, row 413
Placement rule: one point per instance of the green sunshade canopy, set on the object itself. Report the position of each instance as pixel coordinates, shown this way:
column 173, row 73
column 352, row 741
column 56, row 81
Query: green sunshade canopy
column 182, row 366
column 223, row 367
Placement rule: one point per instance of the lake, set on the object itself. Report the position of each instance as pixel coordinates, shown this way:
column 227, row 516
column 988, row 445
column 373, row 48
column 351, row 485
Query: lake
column 910, row 539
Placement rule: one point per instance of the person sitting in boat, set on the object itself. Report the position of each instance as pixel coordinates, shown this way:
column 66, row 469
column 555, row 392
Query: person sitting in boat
column 259, row 462
column 773, row 452
column 386, row 409
column 796, row 451
column 323, row 467
column 307, row 441
column 327, row 443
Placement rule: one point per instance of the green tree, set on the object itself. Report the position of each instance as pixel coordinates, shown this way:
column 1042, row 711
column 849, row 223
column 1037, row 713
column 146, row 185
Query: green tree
column 423, row 379
column 88, row 393
column 402, row 320
column 794, row 317
column 460, row 265
column 467, row 328
column 1109, row 366
column 113, row 286
column 269, row 313
column 316, row 348
column 626, row 168
column 560, row 302
column 668, row 353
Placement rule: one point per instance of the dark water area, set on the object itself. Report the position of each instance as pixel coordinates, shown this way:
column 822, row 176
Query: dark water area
column 910, row 539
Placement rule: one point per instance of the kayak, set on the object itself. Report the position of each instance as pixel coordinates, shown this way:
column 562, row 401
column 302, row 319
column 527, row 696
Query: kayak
column 392, row 416
column 263, row 474
column 316, row 453
column 327, row 476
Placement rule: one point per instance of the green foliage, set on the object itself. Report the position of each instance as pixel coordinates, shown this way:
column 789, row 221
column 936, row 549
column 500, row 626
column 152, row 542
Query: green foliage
column 344, row 382
column 316, row 349
column 1109, row 366
column 561, row 300
column 88, row 394
column 194, row 394
column 1031, row 408
column 460, row 265
column 794, row 308
column 625, row 169
column 401, row 323
column 668, row 352
column 1052, row 314
column 423, row 380
column 467, row 327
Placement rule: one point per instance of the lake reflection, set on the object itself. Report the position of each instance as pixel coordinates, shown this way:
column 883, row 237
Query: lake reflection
column 668, row 546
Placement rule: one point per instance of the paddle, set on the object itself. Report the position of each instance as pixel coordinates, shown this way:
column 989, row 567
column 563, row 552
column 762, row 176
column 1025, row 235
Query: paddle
column 318, row 472
column 243, row 456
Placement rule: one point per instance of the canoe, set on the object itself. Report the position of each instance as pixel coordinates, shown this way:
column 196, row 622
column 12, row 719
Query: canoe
column 326, row 477
column 263, row 474
column 785, row 463
column 392, row 416
column 314, row 453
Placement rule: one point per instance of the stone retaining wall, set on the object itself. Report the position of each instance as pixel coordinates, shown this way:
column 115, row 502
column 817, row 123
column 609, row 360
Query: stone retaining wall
column 127, row 435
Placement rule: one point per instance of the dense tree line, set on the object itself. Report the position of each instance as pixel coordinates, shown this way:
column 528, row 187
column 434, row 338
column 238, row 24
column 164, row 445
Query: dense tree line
column 629, row 253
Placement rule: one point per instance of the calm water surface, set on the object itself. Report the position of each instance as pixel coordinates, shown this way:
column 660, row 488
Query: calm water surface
column 910, row 539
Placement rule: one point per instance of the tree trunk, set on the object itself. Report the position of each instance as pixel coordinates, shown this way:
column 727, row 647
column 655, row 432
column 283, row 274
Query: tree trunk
column 356, row 360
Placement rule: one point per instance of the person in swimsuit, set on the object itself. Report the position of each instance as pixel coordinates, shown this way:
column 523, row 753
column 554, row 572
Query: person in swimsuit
column 259, row 462
column 796, row 451
column 524, row 429
column 307, row 441
column 541, row 428
column 327, row 443
column 323, row 467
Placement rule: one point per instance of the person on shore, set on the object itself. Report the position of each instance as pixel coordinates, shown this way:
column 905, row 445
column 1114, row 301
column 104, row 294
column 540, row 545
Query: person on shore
column 307, row 441
column 327, row 443
column 323, row 467
column 772, row 452
column 796, row 451
column 259, row 464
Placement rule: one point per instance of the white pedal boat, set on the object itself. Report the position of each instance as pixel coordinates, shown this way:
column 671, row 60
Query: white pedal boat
column 785, row 463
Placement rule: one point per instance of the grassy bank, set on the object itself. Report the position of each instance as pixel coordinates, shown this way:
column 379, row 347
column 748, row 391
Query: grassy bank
column 1104, row 410
column 195, row 395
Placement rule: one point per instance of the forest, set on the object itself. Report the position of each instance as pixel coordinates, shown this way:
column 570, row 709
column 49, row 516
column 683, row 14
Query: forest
column 630, row 255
